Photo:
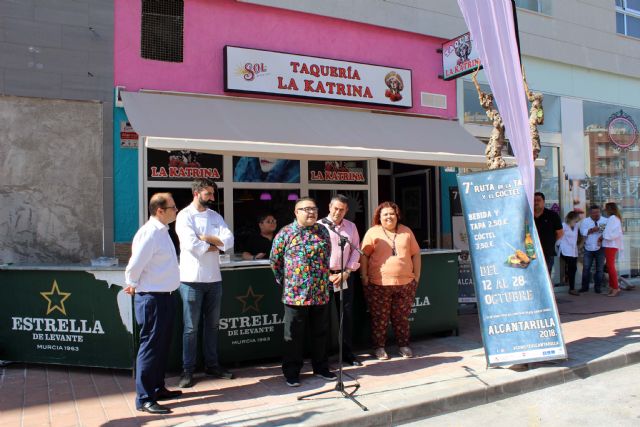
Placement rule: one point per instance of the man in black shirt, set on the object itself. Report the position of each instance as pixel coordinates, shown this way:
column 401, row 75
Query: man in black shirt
column 549, row 228
column 259, row 246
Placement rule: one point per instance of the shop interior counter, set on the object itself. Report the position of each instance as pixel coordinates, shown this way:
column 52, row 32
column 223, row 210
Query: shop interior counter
column 80, row 315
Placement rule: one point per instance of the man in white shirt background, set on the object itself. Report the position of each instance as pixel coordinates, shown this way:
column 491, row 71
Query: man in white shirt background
column 203, row 234
column 152, row 275
column 591, row 229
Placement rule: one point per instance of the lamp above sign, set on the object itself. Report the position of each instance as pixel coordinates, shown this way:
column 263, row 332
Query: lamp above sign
column 459, row 57
column 275, row 73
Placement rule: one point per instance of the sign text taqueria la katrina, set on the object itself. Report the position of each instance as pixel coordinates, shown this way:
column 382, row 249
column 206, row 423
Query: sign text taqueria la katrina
column 261, row 71
column 518, row 315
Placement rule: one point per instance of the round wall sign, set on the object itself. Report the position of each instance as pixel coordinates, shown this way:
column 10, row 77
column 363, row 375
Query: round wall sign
column 622, row 130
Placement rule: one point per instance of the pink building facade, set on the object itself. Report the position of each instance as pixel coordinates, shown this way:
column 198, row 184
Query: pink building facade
column 209, row 26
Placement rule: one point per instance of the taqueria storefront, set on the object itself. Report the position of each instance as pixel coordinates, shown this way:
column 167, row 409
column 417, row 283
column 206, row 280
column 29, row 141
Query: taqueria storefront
column 371, row 132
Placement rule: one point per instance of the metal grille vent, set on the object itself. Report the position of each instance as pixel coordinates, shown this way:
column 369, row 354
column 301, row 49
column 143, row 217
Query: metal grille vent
column 162, row 30
column 433, row 100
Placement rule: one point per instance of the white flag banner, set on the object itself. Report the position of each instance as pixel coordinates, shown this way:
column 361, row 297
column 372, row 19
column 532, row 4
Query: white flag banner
column 493, row 31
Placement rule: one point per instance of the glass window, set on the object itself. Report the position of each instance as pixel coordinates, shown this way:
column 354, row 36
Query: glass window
column 633, row 26
column 552, row 118
column 528, row 4
column 473, row 111
column 265, row 169
column 613, row 171
column 628, row 17
column 250, row 205
column 620, row 23
column 540, row 6
column 475, row 114
column 547, row 178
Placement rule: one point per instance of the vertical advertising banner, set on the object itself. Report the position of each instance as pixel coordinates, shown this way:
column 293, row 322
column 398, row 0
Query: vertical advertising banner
column 518, row 315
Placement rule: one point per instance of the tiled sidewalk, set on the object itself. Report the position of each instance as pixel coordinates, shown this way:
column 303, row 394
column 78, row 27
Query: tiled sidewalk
column 601, row 333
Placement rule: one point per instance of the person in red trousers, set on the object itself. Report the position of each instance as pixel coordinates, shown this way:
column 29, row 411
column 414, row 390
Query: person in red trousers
column 612, row 243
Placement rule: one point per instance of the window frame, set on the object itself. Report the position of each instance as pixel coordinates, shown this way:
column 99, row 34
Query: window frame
column 538, row 9
column 625, row 11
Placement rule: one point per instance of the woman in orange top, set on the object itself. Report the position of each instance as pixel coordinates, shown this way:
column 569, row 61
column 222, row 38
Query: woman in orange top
column 390, row 271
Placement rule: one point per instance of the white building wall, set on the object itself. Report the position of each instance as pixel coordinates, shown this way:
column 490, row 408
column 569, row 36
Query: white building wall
column 580, row 33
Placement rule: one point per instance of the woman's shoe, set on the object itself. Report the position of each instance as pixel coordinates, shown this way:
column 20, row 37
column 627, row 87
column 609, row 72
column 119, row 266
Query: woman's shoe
column 574, row 292
column 613, row 292
column 381, row 354
column 406, row 352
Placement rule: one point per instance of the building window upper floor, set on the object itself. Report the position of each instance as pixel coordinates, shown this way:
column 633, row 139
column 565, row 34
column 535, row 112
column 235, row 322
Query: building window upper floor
column 162, row 30
column 540, row 6
column 628, row 17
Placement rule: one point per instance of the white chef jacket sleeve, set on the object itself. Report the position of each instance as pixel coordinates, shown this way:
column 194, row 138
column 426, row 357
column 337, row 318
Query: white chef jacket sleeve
column 225, row 235
column 189, row 240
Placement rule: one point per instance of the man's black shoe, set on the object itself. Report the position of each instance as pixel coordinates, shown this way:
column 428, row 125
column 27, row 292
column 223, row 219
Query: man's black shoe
column 219, row 372
column 186, row 380
column 583, row 290
column 168, row 394
column 154, row 408
column 597, row 291
column 352, row 361
column 327, row 375
column 293, row 382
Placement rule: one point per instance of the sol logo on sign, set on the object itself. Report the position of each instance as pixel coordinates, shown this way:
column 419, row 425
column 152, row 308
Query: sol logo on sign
column 622, row 130
column 250, row 70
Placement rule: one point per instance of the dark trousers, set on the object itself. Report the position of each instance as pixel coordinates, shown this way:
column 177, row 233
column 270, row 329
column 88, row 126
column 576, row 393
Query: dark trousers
column 296, row 321
column 549, row 259
column 570, row 268
column 154, row 314
column 347, row 320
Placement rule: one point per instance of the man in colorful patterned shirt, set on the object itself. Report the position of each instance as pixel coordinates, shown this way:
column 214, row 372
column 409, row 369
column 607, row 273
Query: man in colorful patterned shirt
column 300, row 257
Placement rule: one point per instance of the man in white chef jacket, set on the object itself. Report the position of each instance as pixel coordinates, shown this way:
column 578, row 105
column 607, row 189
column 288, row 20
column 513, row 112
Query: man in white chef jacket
column 203, row 234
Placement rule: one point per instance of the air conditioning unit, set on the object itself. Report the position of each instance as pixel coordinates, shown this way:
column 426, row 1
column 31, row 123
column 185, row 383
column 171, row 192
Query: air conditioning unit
column 433, row 100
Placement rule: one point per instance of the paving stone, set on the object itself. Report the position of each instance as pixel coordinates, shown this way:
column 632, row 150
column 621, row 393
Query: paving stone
column 449, row 373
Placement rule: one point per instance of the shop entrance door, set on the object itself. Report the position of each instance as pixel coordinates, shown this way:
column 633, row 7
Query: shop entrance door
column 413, row 192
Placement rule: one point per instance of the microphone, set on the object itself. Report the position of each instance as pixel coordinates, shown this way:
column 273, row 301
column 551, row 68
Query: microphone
column 327, row 222
column 332, row 226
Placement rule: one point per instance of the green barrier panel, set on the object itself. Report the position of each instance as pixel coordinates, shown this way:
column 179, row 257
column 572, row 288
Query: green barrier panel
column 251, row 318
column 71, row 318
column 64, row 317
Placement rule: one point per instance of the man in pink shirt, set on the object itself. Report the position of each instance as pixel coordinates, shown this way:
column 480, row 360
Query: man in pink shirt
column 338, row 208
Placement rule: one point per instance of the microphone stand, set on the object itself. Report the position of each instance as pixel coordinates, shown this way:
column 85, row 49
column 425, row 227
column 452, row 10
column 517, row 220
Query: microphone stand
column 340, row 387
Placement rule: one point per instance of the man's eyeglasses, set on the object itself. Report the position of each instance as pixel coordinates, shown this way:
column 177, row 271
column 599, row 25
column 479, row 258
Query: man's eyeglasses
column 170, row 207
column 309, row 209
